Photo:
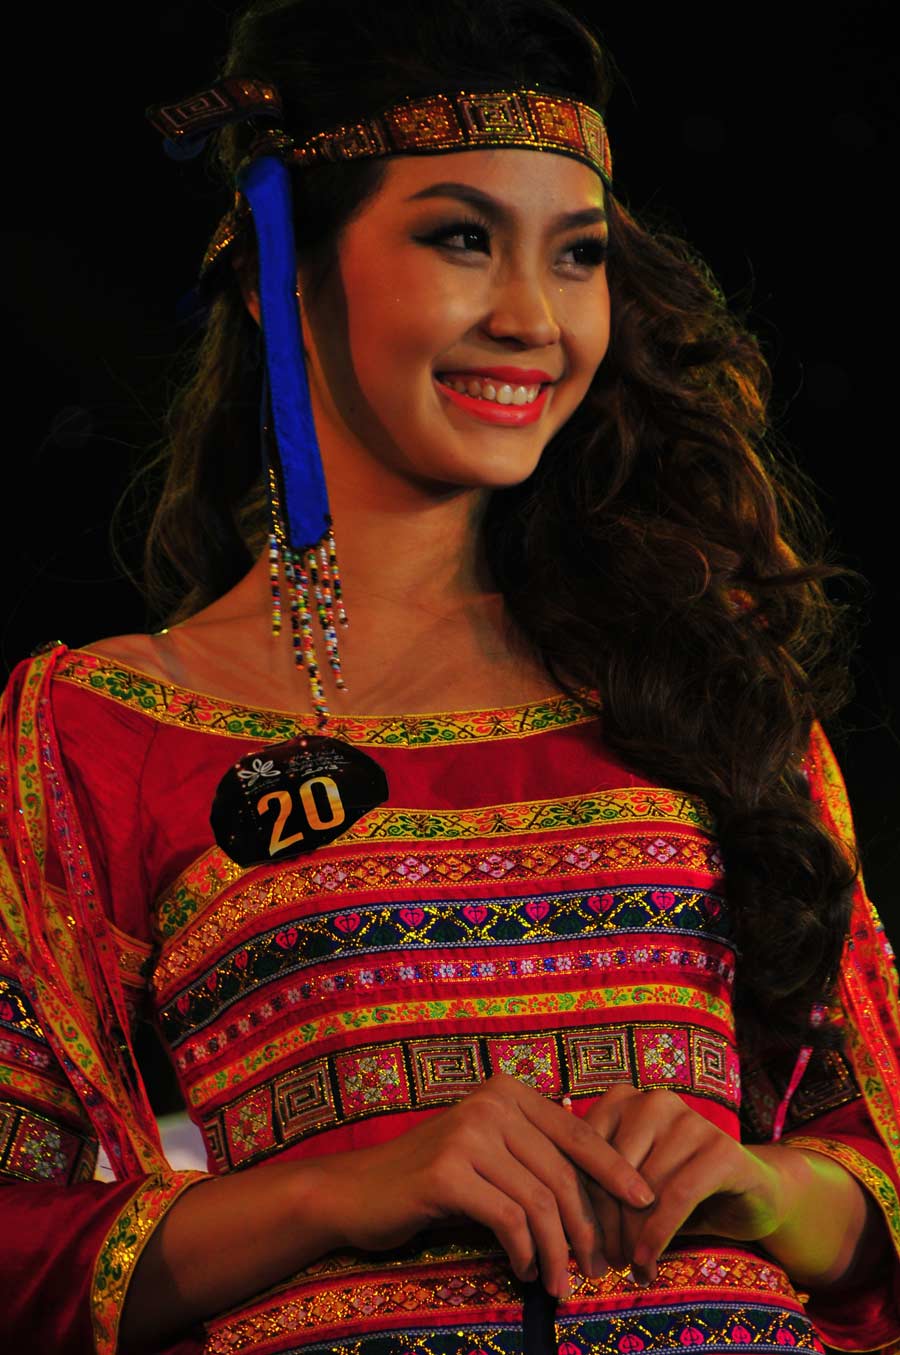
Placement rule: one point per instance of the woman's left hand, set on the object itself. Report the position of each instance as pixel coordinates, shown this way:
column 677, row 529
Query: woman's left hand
column 704, row 1180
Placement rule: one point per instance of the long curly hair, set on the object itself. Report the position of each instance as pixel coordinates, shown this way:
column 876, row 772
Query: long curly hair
column 662, row 553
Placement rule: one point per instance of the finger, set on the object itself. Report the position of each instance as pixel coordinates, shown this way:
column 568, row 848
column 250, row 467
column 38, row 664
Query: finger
column 659, row 1160
column 609, row 1217
column 542, row 1214
column 579, row 1220
column 606, row 1113
column 590, row 1151
column 481, row 1200
column 632, row 1136
column 692, row 1182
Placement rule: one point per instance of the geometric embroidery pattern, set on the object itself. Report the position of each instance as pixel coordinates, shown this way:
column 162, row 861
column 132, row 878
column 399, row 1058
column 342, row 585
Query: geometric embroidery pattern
column 664, row 1056
column 304, row 1100
column 207, row 888
column 214, row 1136
column 711, row 1071
column 33, row 1148
column 372, row 1079
column 444, row 1070
column 378, row 1079
column 714, row 1326
column 248, row 1125
column 532, row 1059
column 350, row 1021
column 827, row 1083
column 598, row 1059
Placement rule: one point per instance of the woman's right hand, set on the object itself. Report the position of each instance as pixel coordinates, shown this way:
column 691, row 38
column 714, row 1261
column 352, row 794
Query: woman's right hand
column 504, row 1156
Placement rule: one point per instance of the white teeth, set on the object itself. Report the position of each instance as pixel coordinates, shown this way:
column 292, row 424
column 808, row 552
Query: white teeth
column 502, row 395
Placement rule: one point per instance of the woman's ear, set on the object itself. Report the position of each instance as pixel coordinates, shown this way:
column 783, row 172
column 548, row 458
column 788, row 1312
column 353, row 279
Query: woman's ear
column 246, row 277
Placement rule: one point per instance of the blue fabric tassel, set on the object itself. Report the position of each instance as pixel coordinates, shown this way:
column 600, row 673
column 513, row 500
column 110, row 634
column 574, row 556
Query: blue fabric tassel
column 265, row 183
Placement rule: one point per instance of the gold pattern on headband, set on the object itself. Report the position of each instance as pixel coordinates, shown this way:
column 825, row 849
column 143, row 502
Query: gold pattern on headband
column 441, row 123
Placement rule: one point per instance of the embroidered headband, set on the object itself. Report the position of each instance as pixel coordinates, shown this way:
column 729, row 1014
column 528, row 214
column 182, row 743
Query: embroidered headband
column 522, row 119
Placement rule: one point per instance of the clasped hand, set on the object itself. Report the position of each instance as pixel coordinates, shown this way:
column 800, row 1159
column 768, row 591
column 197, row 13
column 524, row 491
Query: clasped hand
column 614, row 1185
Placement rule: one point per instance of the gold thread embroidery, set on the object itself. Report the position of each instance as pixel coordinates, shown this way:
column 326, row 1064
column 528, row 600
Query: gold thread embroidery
column 122, row 1247
column 459, row 1286
column 214, row 908
column 877, row 1182
column 187, row 709
column 626, row 805
column 385, row 1015
column 21, row 1081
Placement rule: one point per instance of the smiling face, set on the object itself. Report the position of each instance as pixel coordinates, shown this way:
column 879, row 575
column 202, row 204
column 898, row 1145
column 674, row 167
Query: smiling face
column 464, row 321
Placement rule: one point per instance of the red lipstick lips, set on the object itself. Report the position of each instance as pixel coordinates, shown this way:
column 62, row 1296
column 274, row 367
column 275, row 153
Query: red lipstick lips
column 509, row 416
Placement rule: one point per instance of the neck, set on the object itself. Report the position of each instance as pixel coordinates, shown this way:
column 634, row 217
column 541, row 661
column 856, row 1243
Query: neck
column 423, row 615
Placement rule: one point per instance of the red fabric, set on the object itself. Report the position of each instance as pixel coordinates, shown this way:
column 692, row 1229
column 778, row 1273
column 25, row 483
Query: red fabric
column 50, row 1239
column 141, row 789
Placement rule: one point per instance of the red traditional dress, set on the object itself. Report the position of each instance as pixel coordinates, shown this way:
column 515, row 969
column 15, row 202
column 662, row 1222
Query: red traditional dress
column 522, row 903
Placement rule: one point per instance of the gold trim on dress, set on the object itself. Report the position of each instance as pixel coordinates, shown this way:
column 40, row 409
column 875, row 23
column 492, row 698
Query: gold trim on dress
column 186, row 708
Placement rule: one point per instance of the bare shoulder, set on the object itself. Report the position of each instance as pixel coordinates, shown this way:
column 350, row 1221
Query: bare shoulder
column 143, row 652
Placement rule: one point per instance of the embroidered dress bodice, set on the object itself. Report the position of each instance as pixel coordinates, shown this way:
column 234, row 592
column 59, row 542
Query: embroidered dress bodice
column 522, row 903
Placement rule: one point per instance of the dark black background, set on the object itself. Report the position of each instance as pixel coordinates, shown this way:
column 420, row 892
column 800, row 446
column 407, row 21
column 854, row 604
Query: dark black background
column 765, row 132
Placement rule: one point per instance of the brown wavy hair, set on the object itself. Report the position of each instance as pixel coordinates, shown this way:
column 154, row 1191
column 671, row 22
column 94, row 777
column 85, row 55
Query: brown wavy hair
column 655, row 553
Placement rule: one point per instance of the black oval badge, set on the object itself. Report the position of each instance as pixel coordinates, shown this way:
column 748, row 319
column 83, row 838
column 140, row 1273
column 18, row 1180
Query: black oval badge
column 289, row 798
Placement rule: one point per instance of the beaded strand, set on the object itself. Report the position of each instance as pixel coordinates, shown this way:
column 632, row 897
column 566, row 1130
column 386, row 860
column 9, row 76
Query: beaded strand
column 310, row 575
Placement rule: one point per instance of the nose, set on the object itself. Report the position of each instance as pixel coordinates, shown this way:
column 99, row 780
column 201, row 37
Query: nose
column 521, row 311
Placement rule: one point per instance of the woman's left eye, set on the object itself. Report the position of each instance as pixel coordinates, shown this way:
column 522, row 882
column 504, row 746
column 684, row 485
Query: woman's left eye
column 590, row 252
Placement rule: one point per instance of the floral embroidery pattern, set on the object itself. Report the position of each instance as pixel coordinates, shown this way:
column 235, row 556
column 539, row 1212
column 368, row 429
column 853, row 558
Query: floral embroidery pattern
column 385, row 871
column 565, row 923
column 751, row 1327
column 456, row 1289
column 123, row 1245
column 194, row 710
column 873, row 1178
column 630, row 804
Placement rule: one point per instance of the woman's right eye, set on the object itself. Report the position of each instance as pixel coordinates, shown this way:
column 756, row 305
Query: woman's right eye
column 462, row 237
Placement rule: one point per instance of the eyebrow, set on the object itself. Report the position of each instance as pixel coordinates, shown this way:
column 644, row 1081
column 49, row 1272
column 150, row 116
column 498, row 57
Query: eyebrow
column 496, row 211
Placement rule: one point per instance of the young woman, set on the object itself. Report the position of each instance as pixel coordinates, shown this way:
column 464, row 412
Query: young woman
column 530, row 1024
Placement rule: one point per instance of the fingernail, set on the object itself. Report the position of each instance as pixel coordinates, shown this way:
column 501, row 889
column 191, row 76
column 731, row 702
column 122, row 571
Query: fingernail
column 638, row 1278
column 641, row 1194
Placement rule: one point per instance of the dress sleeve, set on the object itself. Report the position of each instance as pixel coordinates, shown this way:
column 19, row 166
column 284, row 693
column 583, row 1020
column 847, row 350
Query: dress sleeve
column 68, row 1079
column 846, row 1104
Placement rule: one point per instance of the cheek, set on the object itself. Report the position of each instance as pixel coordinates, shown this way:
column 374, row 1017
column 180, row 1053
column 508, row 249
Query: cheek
column 407, row 315
column 589, row 331
column 399, row 334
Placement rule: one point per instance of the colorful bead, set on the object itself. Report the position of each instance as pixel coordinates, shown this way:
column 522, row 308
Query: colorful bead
column 275, row 583
column 304, row 576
